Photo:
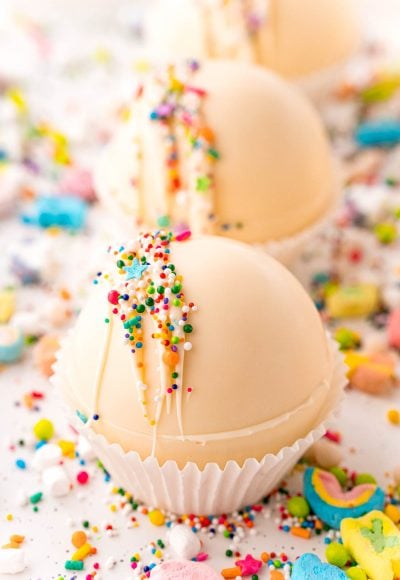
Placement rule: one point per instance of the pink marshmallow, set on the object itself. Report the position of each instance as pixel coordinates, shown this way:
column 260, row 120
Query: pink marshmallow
column 393, row 329
column 183, row 570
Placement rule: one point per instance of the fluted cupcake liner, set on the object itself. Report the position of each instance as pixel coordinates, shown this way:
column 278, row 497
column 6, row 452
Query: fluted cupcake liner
column 211, row 490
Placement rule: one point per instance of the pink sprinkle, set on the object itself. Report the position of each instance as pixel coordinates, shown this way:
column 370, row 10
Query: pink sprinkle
column 201, row 557
column 196, row 91
column 133, row 565
column 333, row 436
column 82, row 477
column 96, row 565
column 183, row 235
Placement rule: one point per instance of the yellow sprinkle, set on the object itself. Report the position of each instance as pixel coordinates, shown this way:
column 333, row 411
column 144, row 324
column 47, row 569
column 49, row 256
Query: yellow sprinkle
column 9, row 517
column 95, row 529
column 114, row 490
column 141, row 66
column 67, row 448
column 158, row 554
column 156, row 517
column 113, row 507
column 137, row 557
column 393, row 416
column 18, row 100
column 82, row 552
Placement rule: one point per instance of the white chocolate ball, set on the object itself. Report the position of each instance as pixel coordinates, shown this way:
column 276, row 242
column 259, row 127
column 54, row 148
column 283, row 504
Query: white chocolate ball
column 275, row 177
column 260, row 367
column 295, row 38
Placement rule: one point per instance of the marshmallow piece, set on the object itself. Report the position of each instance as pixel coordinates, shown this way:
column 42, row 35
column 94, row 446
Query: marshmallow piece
column 84, row 449
column 174, row 569
column 353, row 301
column 327, row 454
column 46, row 456
column 393, row 328
column 55, row 481
column 12, row 561
column 184, row 543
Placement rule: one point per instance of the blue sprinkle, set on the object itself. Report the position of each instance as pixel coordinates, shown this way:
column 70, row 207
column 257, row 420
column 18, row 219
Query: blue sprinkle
column 82, row 416
column 20, row 463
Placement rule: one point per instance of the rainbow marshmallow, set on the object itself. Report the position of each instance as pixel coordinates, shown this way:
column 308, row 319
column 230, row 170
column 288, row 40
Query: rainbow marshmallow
column 331, row 504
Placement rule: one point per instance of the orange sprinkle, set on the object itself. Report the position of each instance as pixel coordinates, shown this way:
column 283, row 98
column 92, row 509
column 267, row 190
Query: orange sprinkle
column 28, row 400
column 171, row 358
column 65, row 294
column 301, row 532
column 264, row 557
column 17, row 538
column 318, row 525
column 231, row 572
column 78, row 539
column 276, row 575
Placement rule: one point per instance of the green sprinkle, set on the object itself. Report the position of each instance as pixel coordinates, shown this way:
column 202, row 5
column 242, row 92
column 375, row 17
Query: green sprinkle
column 107, row 320
column 364, row 478
column 298, row 507
column 337, row 555
column 150, row 290
column 163, row 221
column 141, row 308
column 149, row 301
column 74, row 565
column 85, row 524
column 36, row 497
column 213, row 153
column 160, row 289
column 203, row 183
column 176, row 288
column 229, row 553
column 175, row 340
column 120, row 263
column 188, row 328
column 340, row 475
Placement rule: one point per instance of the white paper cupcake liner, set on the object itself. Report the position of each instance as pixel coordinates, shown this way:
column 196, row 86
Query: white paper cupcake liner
column 211, row 490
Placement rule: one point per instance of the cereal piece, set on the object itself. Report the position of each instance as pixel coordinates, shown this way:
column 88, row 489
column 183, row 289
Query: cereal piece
column 374, row 542
column 331, row 504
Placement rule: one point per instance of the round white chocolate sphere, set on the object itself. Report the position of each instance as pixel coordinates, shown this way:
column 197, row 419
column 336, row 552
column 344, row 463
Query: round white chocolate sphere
column 294, row 38
column 274, row 177
column 253, row 369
